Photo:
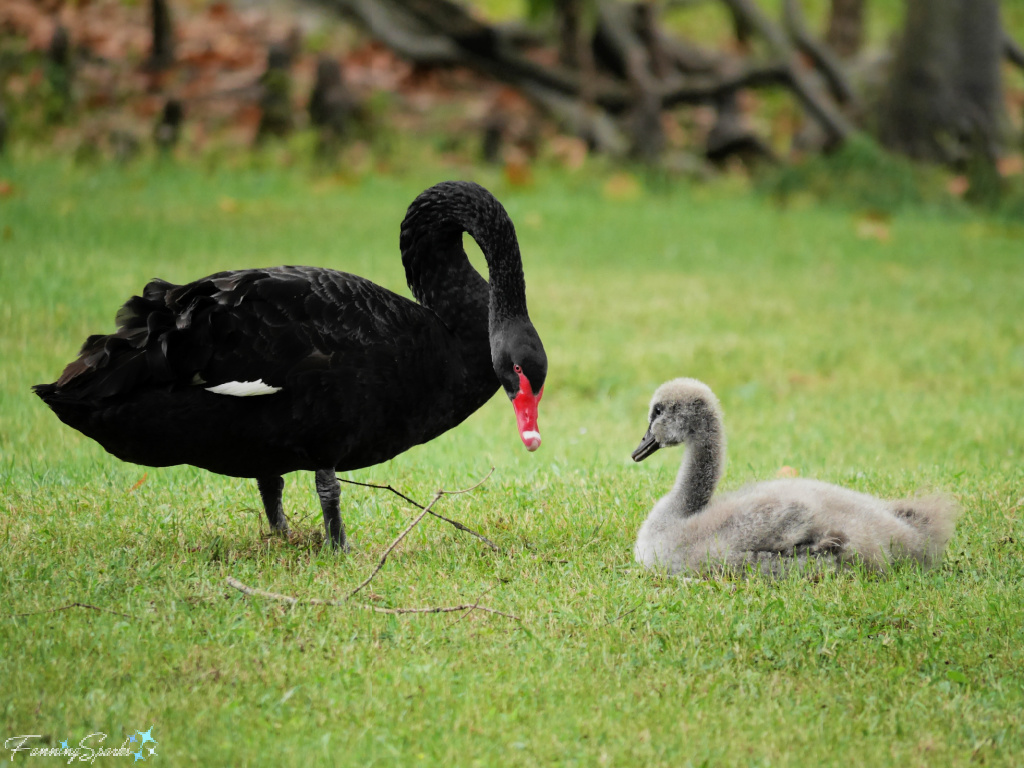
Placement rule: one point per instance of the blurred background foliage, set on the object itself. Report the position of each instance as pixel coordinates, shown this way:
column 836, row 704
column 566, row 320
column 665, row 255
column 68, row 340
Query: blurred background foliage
column 759, row 93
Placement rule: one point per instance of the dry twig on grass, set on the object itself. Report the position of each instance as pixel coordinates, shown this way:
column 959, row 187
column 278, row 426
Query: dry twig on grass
column 456, row 523
column 245, row 589
column 420, row 516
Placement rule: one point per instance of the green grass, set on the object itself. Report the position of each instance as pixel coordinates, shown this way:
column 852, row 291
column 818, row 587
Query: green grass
column 886, row 365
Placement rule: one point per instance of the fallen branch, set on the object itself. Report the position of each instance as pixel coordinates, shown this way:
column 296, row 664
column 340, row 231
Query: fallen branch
column 1013, row 51
column 690, row 58
column 448, row 520
column 826, row 62
column 601, row 107
column 402, row 535
column 594, row 125
column 383, row 559
column 399, row 33
column 253, row 592
column 628, row 36
column 672, row 5
column 420, row 516
column 464, row 615
column 818, row 104
column 69, row 606
column 704, row 90
column 440, row 33
column 554, row 88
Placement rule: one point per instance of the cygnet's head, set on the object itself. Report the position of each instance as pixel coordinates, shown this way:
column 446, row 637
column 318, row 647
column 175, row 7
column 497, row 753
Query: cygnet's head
column 681, row 410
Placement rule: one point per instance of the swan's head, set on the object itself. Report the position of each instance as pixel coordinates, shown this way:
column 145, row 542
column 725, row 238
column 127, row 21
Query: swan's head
column 522, row 368
column 682, row 410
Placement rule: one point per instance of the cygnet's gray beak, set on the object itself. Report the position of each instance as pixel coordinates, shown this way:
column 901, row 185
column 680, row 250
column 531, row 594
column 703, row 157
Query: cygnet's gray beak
column 647, row 446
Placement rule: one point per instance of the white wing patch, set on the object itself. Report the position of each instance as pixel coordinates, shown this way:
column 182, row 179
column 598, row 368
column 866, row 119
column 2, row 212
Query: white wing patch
column 243, row 388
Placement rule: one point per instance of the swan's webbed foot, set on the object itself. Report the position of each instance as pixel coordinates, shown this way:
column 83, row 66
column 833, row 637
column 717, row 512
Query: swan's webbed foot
column 271, row 490
column 329, row 490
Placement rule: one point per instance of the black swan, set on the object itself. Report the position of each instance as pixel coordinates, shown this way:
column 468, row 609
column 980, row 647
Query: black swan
column 770, row 526
column 260, row 372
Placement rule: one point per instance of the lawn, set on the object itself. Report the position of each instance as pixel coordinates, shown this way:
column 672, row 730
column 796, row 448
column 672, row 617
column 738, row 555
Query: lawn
column 886, row 355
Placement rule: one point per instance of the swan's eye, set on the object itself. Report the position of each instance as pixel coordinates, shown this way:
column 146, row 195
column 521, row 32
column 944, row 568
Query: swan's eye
column 656, row 411
column 517, row 368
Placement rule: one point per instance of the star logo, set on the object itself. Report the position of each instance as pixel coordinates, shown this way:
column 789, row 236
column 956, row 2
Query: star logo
column 64, row 744
column 141, row 739
column 146, row 736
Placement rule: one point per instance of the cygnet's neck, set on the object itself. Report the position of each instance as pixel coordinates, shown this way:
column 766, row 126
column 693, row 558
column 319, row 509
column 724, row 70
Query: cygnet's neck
column 700, row 471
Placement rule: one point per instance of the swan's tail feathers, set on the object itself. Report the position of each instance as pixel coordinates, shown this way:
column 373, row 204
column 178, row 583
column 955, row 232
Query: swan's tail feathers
column 934, row 517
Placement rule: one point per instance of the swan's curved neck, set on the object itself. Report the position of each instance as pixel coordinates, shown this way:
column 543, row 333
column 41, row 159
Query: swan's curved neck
column 437, row 269
column 700, row 471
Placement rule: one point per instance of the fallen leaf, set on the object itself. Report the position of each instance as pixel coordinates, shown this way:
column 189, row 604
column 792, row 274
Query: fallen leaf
column 17, row 86
column 873, row 229
column 622, row 186
column 958, row 186
column 787, row 471
column 139, row 482
column 1011, row 165
column 570, row 151
column 6, row 188
column 228, row 204
column 518, row 173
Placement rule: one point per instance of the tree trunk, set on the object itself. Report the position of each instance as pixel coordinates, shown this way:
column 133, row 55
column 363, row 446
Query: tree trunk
column 59, row 73
column 621, row 29
column 161, row 52
column 944, row 99
column 846, row 27
column 569, row 15
column 276, row 98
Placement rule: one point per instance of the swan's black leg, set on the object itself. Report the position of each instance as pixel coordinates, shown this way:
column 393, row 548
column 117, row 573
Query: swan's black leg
column 271, row 490
column 329, row 490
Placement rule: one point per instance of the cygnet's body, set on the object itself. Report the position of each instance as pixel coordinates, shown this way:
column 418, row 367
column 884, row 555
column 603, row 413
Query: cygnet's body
column 771, row 526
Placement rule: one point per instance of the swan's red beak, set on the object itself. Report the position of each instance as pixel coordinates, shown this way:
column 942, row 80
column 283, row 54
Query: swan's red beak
column 525, row 404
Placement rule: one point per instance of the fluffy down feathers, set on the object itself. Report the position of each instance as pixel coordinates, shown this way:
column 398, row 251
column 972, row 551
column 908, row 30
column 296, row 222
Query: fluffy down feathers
column 774, row 526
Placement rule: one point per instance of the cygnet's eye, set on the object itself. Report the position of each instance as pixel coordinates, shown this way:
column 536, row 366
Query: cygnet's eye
column 656, row 411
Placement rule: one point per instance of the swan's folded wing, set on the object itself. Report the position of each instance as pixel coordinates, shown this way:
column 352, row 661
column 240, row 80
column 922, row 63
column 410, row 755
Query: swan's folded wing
column 247, row 326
